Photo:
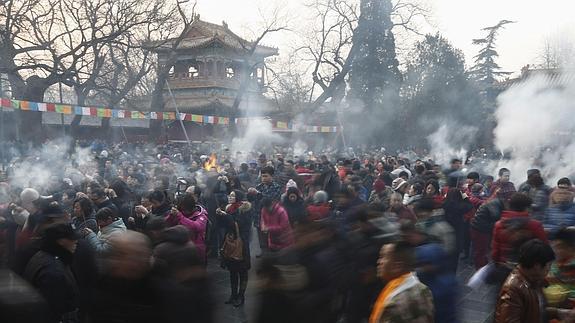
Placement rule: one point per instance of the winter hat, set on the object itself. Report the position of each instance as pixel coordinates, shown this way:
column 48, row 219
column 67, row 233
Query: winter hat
column 320, row 197
column 291, row 184
column 378, row 185
column 564, row 183
column 533, row 171
column 292, row 190
column 29, row 195
column 398, row 183
column 506, row 190
column 104, row 154
column 58, row 231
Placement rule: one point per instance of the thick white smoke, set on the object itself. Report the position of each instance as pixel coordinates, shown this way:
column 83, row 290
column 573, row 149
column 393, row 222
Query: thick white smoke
column 54, row 160
column 259, row 133
column 536, row 127
column 449, row 142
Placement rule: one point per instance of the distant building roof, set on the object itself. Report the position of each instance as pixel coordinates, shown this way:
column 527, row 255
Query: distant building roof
column 202, row 34
column 554, row 76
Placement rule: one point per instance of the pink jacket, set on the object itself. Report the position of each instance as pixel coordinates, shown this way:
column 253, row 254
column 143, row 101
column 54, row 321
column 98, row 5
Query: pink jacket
column 276, row 223
column 196, row 223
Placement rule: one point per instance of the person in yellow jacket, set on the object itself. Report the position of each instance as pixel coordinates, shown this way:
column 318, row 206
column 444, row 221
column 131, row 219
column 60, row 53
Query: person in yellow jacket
column 404, row 298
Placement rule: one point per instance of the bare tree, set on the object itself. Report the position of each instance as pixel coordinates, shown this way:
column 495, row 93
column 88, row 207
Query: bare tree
column 274, row 23
column 331, row 54
column 557, row 51
column 115, row 68
column 46, row 42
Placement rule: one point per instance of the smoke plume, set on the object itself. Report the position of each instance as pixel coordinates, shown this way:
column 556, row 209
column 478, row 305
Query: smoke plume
column 535, row 127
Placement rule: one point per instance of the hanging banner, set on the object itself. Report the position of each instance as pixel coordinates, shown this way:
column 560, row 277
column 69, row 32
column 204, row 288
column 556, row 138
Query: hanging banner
column 102, row 112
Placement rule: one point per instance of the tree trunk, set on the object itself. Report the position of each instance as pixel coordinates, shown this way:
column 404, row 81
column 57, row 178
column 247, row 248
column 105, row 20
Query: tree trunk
column 30, row 122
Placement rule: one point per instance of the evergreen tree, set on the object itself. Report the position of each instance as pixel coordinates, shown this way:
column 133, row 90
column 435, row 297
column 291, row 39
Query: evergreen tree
column 437, row 90
column 375, row 78
column 486, row 70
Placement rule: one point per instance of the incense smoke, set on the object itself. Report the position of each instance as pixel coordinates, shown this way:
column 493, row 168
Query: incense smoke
column 535, row 127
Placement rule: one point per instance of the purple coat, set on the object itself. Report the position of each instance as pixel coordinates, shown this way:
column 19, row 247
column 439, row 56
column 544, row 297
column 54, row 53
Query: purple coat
column 196, row 223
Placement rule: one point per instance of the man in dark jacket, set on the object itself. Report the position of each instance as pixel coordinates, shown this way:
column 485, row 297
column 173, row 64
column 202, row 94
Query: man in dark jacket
column 484, row 220
column 101, row 200
column 49, row 271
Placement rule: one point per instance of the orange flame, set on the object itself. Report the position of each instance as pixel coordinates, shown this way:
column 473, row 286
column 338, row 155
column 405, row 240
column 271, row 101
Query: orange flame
column 212, row 163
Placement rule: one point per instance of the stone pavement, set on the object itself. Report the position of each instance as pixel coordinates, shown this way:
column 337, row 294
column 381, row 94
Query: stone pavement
column 476, row 306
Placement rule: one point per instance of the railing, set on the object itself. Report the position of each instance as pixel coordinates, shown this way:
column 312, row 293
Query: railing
column 199, row 82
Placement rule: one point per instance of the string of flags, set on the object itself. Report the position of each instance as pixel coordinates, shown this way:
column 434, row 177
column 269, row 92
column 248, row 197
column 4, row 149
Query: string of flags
column 104, row 112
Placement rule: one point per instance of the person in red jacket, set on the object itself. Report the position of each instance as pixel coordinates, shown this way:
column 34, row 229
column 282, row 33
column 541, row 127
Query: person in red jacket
column 320, row 208
column 513, row 229
column 275, row 222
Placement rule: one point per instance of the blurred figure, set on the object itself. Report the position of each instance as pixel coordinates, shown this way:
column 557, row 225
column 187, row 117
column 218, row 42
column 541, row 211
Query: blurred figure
column 181, row 279
column 456, row 206
column 433, row 271
column 433, row 224
column 539, row 194
column 110, row 224
column 562, row 271
column 483, row 222
column 398, row 211
column 275, row 223
column 125, row 290
column 511, row 232
column 304, row 283
column 320, row 208
column 404, row 298
column 563, row 193
column 49, row 271
column 561, row 210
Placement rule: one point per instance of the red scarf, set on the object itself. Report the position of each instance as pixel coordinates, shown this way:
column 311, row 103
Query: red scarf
column 231, row 208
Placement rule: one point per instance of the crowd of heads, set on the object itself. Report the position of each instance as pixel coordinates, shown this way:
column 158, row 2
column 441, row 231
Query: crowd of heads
column 134, row 210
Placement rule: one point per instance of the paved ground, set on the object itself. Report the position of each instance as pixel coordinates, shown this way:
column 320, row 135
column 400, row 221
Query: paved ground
column 477, row 306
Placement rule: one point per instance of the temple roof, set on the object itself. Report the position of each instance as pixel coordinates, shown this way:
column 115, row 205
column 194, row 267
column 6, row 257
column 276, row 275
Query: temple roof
column 202, row 34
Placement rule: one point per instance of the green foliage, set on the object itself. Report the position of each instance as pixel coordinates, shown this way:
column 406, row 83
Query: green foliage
column 375, row 77
column 486, row 70
column 437, row 90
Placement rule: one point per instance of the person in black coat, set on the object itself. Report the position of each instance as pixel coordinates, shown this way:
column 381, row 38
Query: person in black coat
column 49, row 270
column 125, row 291
column 294, row 206
column 181, row 279
column 238, row 218
column 455, row 207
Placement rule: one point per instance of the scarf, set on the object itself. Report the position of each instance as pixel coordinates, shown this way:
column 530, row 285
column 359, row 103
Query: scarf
column 232, row 208
column 392, row 288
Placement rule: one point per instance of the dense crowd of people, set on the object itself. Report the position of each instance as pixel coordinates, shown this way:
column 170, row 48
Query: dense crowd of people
column 126, row 233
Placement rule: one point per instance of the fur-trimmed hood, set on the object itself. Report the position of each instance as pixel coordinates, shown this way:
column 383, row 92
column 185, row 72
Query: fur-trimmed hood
column 245, row 207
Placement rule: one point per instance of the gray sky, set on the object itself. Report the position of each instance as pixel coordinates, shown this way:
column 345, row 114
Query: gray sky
column 458, row 20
